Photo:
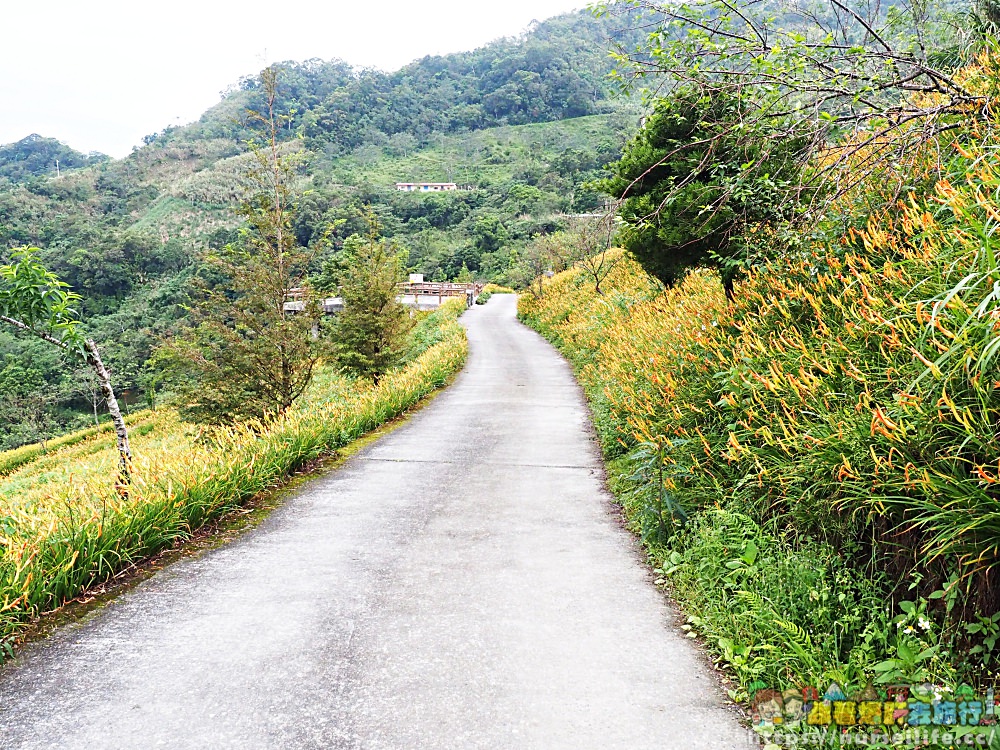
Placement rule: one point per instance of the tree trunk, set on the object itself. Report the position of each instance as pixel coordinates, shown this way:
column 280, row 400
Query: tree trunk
column 93, row 358
column 121, row 431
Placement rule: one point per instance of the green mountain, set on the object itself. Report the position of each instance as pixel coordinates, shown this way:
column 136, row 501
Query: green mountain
column 523, row 124
column 36, row 155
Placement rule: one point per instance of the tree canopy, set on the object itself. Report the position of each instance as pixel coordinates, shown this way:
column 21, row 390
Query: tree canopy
column 370, row 334
column 36, row 155
column 694, row 181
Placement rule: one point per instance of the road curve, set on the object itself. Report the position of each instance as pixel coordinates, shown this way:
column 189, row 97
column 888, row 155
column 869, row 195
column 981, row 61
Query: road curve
column 461, row 583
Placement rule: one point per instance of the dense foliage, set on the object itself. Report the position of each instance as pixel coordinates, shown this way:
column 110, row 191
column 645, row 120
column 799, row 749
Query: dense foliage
column 812, row 462
column 65, row 527
column 35, row 155
column 370, row 334
column 130, row 235
column 694, row 184
column 557, row 70
column 766, row 111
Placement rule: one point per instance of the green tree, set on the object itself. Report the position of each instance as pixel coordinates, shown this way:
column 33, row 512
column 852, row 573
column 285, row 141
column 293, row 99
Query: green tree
column 532, row 265
column 872, row 82
column 586, row 244
column 402, row 144
column 24, row 404
column 371, row 332
column 36, row 155
column 35, row 301
column 695, row 183
column 489, row 233
column 253, row 349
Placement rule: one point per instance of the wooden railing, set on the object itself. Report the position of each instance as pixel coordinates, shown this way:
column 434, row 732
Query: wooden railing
column 442, row 288
column 417, row 290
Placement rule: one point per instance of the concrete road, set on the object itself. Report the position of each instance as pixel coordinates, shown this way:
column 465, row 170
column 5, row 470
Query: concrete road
column 462, row 583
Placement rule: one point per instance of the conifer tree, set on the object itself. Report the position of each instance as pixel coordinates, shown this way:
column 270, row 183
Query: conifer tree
column 371, row 332
column 253, row 349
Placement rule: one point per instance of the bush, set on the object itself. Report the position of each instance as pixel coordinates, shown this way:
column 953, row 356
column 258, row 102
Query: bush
column 842, row 407
column 68, row 528
column 497, row 289
column 14, row 459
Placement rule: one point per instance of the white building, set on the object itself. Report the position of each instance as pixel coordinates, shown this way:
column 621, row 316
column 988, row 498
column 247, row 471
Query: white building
column 425, row 187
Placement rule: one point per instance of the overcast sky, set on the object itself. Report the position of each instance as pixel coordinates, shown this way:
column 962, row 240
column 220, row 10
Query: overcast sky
column 101, row 74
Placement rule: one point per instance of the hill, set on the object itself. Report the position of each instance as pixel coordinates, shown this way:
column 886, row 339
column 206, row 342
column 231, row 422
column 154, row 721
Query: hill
column 35, row 155
column 523, row 123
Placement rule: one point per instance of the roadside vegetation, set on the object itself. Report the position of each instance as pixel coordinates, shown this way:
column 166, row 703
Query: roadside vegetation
column 793, row 365
column 65, row 525
column 819, row 503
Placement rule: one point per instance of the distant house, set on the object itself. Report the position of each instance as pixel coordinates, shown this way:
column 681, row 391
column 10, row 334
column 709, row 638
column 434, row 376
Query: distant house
column 425, row 187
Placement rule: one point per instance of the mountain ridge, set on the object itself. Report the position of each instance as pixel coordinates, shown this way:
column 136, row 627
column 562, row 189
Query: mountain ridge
column 529, row 122
column 36, row 155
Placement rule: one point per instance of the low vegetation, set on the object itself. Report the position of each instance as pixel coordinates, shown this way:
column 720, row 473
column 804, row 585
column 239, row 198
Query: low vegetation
column 65, row 526
column 809, row 451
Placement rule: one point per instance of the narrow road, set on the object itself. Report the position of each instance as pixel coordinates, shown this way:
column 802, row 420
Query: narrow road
column 462, row 583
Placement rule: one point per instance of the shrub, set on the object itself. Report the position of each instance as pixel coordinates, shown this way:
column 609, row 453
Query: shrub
column 843, row 406
column 63, row 527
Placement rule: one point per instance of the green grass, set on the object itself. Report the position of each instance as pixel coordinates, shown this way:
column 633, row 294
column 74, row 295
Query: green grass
column 174, row 216
column 492, row 155
column 18, row 457
column 64, row 525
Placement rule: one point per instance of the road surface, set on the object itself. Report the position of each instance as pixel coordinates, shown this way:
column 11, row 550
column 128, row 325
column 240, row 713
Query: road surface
column 462, row 583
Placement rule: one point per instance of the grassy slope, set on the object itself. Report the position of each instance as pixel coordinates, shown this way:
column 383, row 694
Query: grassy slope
column 491, row 155
column 758, row 447
column 198, row 195
column 64, row 526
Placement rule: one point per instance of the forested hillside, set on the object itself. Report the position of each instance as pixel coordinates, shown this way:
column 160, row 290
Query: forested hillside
column 35, row 155
column 525, row 124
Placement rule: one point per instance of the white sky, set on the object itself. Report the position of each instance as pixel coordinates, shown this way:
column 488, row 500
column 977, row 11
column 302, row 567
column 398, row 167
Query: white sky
column 100, row 74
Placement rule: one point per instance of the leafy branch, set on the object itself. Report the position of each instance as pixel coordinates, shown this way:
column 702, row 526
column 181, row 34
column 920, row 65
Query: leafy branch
column 34, row 300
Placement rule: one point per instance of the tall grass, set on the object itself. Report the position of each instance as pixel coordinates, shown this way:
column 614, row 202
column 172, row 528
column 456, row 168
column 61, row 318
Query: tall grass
column 840, row 412
column 64, row 528
column 18, row 457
